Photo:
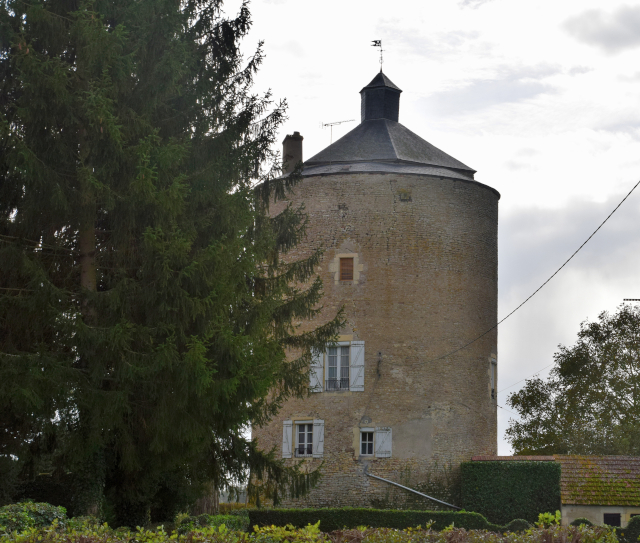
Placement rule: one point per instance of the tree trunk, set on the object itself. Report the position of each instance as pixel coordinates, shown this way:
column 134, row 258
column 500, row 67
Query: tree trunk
column 208, row 504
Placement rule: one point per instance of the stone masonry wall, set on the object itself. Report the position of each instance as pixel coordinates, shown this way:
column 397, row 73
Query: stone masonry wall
column 426, row 284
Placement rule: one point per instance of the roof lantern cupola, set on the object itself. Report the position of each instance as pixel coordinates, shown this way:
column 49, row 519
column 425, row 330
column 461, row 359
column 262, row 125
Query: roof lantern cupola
column 380, row 99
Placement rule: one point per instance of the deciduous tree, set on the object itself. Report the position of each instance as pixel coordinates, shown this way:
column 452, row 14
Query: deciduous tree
column 590, row 404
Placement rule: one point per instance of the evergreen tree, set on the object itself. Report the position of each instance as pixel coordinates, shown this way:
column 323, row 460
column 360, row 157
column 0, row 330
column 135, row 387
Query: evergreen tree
column 147, row 303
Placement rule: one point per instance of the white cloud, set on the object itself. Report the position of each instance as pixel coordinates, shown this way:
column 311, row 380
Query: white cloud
column 513, row 84
column 473, row 4
column 612, row 32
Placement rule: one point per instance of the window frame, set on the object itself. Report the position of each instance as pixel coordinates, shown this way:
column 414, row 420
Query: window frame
column 340, row 378
column 346, row 270
column 619, row 519
column 372, row 432
column 308, row 432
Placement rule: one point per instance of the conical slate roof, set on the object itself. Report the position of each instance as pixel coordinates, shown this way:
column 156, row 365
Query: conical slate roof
column 381, row 144
column 381, row 80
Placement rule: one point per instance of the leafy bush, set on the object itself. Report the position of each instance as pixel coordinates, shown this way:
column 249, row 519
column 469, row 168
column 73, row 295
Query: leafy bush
column 312, row 534
column 231, row 508
column 18, row 517
column 545, row 520
column 581, row 521
column 631, row 533
column 502, row 491
column 186, row 524
column 351, row 517
column 518, row 525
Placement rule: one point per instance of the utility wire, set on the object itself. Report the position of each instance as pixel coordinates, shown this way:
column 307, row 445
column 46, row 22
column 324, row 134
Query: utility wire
column 537, row 290
column 525, row 378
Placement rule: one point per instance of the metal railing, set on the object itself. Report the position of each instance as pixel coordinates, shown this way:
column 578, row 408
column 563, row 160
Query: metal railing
column 303, row 450
column 332, row 385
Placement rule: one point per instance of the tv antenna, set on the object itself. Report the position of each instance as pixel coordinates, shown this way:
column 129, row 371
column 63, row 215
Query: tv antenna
column 378, row 43
column 331, row 125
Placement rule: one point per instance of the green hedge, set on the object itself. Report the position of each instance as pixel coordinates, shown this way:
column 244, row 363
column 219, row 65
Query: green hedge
column 351, row 517
column 502, row 491
column 632, row 532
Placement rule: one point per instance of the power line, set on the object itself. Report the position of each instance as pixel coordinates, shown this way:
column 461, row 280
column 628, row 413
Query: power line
column 525, row 378
column 538, row 289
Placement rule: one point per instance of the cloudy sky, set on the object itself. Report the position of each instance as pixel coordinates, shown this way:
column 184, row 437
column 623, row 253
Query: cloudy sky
column 542, row 98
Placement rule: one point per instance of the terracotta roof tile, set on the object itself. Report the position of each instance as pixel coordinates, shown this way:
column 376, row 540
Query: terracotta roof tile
column 600, row 480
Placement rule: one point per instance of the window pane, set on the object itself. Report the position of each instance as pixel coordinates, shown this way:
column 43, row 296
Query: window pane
column 344, row 364
column 366, row 443
column 346, row 269
column 333, row 362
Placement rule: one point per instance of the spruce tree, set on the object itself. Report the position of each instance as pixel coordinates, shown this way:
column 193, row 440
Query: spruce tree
column 147, row 300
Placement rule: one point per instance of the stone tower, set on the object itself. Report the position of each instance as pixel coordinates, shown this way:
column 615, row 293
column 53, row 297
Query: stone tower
column 411, row 254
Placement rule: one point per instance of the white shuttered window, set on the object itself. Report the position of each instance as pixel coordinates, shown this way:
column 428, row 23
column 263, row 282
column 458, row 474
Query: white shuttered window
column 318, row 438
column 383, row 442
column 287, row 435
column 357, row 367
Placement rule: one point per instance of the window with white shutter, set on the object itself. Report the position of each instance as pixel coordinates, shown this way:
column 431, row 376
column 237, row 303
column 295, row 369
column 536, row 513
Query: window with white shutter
column 316, row 373
column 318, row 438
column 357, row 367
column 383, row 442
column 287, row 431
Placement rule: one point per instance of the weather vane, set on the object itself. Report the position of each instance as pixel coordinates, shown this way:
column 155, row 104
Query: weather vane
column 378, row 43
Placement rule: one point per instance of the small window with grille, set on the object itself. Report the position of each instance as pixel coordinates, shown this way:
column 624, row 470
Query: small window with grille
column 612, row 519
column 366, row 442
column 346, row 269
column 304, row 439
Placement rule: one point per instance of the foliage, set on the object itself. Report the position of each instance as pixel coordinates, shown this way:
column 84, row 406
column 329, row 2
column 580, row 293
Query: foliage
column 581, row 521
column 590, row 404
column 350, row 517
column 631, row 533
column 545, row 520
column 21, row 516
column 306, row 534
column 517, row 525
column 502, row 491
column 187, row 524
column 312, row 534
column 232, row 508
column 148, row 299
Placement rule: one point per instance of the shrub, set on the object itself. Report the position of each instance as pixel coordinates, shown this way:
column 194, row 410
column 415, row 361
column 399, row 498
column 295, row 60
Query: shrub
column 18, row 517
column 502, row 491
column 631, row 533
column 186, row 524
column 351, row 517
column 581, row 521
column 231, row 508
column 518, row 525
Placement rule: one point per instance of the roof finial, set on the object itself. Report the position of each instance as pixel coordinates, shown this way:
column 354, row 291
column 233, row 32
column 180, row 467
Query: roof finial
column 378, row 43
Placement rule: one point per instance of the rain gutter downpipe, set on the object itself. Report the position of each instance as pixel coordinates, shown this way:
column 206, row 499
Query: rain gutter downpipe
column 366, row 472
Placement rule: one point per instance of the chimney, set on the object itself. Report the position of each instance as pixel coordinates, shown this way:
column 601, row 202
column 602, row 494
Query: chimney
column 291, row 152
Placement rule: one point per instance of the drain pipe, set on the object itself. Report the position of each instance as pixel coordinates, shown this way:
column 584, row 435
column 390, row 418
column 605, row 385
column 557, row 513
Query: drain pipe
column 366, row 472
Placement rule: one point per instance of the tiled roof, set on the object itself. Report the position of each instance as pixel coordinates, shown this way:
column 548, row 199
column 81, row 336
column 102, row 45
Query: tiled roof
column 388, row 141
column 590, row 480
column 600, row 480
column 487, row 458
